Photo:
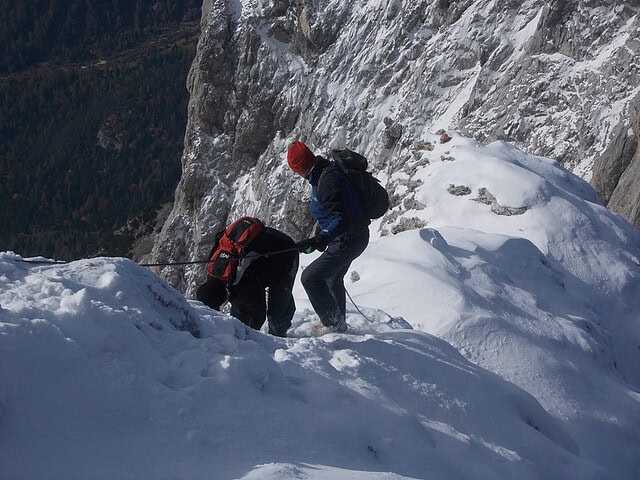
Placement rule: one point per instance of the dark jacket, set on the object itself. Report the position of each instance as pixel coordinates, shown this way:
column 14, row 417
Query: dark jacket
column 268, row 269
column 247, row 294
column 335, row 204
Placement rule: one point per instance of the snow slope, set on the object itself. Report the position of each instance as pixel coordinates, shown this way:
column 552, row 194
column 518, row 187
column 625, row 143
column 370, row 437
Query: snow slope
column 491, row 347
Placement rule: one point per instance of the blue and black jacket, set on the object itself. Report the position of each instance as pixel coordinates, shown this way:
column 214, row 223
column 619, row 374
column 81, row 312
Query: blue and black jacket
column 335, row 204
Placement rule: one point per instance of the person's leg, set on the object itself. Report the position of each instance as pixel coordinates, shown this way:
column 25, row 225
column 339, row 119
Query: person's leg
column 352, row 250
column 281, row 306
column 315, row 282
column 323, row 280
column 248, row 303
column 336, row 285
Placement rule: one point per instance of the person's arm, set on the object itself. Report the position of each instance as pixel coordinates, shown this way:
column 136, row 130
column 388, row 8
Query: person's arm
column 331, row 197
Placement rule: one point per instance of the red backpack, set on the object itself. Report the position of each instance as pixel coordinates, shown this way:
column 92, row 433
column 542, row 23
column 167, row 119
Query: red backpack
column 225, row 258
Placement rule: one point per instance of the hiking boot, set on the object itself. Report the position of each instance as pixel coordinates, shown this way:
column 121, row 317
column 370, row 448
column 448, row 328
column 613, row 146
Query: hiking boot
column 340, row 327
column 320, row 329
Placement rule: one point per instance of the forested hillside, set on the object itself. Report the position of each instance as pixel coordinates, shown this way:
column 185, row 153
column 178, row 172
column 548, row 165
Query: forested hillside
column 92, row 118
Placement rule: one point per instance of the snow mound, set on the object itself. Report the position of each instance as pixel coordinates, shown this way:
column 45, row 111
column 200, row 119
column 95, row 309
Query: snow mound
column 102, row 371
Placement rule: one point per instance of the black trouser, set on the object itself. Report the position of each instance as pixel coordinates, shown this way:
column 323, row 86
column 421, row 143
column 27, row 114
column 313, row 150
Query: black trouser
column 249, row 305
column 323, row 279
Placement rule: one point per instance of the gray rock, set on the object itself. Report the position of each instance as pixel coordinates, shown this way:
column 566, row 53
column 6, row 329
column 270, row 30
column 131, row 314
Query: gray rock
column 377, row 79
column 459, row 190
column 486, row 197
column 616, row 173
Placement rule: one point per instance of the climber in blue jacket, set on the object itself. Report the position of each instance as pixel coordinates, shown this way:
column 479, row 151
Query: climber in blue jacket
column 343, row 234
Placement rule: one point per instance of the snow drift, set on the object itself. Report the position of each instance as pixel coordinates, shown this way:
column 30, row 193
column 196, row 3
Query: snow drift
column 491, row 346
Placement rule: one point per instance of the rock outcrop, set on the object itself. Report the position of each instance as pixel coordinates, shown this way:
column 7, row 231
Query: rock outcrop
column 616, row 173
column 557, row 78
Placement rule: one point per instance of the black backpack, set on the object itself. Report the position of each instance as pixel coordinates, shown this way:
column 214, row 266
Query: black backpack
column 373, row 195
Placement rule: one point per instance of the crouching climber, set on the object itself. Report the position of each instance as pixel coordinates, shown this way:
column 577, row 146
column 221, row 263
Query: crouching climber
column 248, row 260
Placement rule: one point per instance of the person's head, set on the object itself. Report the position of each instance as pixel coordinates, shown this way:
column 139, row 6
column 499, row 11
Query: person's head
column 301, row 160
column 213, row 293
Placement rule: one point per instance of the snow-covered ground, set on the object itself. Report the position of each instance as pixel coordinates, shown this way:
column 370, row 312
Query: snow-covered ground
column 491, row 347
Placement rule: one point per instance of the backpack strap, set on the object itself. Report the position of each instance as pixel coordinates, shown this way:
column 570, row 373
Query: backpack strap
column 333, row 166
column 243, row 263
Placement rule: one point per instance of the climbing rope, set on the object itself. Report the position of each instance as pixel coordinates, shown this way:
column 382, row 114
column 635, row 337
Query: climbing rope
column 357, row 308
column 194, row 262
column 165, row 264
column 160, row 264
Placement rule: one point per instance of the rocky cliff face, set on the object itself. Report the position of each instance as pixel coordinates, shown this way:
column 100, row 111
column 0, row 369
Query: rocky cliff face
column 558, row 78
column 616, row 171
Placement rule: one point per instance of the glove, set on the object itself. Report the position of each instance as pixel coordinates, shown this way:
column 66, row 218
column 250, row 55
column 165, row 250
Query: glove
column 311, row 244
